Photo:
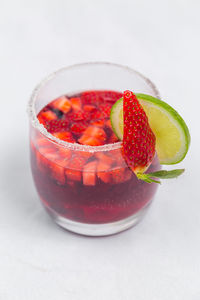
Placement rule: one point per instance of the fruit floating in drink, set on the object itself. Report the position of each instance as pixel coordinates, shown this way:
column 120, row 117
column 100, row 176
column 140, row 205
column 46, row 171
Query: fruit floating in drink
column 96, row 158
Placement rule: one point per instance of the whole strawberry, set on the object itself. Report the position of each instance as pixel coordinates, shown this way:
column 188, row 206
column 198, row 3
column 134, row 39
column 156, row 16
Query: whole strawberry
column 138, row 139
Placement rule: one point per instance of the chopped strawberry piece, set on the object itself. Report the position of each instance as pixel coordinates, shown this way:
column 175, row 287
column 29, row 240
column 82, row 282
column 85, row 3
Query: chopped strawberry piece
column 90, row 141
column 99, row 123
column 57, row 172
column 85, row 155
column 96, row 132
column 62, row 104
column 53, row 126
column 89, row 108
column 121, row 175
column 127, row 174
column 111, row 97
column 73, row 175
column 117, row 158
column 89, row 97
column 108, row 124
column 93, row 136
column 64, row 136
column 89, row 173
column 98, row 115
column 42, row 162
column 44, row 157
column 105, row 109
column 45, row 116
column 76, row 104
column 103, row 171
column 103, row 158
column 76, row 116
column 74, row 169
column 78, row 128
column 118, row 175
column 66, row 153
column 113, row 139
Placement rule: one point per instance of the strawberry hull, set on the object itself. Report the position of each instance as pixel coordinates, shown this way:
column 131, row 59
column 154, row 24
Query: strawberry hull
column 85, row 197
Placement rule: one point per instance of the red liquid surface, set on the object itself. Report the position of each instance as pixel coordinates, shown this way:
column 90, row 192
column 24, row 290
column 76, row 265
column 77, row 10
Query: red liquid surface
column 81, row 186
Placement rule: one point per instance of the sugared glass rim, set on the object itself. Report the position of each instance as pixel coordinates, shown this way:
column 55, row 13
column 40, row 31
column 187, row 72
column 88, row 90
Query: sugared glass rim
column 75, row 146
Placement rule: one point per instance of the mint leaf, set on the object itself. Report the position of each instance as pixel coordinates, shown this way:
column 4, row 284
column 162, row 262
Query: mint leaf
column 162, row 174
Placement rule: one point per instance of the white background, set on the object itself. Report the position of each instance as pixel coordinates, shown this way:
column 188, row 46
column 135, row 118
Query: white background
column 158, row 259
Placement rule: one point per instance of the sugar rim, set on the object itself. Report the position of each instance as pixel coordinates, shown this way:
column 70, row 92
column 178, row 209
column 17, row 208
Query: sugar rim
column 75, row 146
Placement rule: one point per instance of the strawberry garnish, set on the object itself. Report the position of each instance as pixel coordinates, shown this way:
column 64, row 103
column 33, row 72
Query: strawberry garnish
column 138, row 140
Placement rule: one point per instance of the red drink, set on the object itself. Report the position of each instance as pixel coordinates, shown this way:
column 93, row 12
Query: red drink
column 85, row 186
column 79, row 172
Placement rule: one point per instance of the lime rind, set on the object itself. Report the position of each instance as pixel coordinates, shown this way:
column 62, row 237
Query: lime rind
column 176, row 119
column 116, row 118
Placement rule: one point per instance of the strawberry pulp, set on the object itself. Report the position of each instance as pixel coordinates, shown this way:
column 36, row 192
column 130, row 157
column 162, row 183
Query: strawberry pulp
column 86, row 187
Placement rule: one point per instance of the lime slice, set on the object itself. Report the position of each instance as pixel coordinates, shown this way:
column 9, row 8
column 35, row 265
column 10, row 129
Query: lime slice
column 172, row 134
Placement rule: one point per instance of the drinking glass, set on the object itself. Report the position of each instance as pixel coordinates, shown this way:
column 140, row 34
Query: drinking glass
column 117, row 200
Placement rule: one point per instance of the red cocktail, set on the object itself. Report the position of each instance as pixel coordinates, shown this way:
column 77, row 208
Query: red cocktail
column 78, row 169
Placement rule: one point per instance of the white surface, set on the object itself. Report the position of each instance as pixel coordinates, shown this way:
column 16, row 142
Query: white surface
column 158, row 259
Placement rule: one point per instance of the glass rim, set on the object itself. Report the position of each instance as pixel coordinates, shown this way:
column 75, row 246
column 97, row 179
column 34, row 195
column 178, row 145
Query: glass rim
column 75, row 146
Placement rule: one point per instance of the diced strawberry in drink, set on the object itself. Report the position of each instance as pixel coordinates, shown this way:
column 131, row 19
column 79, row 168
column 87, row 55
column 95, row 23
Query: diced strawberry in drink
column 105, row 108
column 127, row 174
column 64, row 136
column 89, row 173
column 113, row 138
column 89, row 108
column 45, row 116
column 103, row 158
column 76, row 116
column 84, row 154
column 43, row 142
column 72, row 174
column 74, row 168
column 121, row 175
column 89, row 97
column 117, row 158
column 53, row 126
column 103, row 171
column 62, row 104
column 78, row 128
column 57, row 172
column 76, row 104
column 98, row 123
column 44, row 157
column 98, row 115
column 108, row 124
column 65, row 153
column 118, row 175
column 95, row 132
column 90, row 141
column 93, row 136
column 42, row 162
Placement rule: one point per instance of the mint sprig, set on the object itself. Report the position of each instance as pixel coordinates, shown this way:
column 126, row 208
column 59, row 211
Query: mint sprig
column 162, row 174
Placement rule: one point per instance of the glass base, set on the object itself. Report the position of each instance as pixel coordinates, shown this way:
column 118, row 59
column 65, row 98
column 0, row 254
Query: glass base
column 98, row 229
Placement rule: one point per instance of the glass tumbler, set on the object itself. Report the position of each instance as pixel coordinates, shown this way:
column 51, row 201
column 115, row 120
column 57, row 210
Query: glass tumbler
column 118, row 200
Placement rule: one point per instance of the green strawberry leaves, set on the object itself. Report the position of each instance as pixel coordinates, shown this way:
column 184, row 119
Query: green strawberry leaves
column 162, row 174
